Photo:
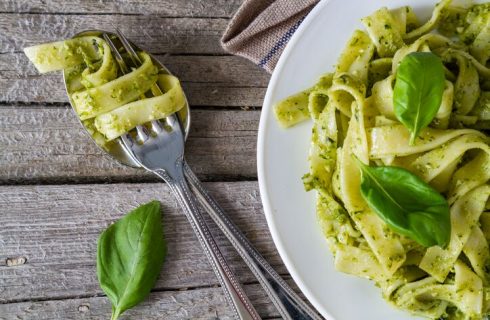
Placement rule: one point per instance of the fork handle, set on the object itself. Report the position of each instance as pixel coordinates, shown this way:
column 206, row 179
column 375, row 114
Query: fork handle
column 287, row 302
column 234, row 293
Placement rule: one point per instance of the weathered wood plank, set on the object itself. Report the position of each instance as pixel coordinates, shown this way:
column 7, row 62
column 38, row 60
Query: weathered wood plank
column 54, row 229
column 170, row 8
column 207, row 80
column 154, row 33
column 205, row 304
column 47, row 144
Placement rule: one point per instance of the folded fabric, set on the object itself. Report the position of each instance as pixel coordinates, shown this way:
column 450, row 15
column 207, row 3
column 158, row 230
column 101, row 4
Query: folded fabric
column 260, row 29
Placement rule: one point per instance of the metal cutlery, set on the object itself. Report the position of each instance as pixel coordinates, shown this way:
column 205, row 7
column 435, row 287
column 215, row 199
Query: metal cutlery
column 162, row 153
column 160, row 149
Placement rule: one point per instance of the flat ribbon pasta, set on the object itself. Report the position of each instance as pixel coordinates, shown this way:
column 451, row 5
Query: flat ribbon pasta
column 120, row 120
column 352, row 113
column 109, row 96
column 108, row 105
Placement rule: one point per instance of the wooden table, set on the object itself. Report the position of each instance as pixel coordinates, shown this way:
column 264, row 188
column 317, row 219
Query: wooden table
column 59, row 191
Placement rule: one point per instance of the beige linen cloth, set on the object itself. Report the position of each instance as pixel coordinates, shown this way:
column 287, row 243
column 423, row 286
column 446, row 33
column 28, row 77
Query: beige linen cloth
column 260, row 29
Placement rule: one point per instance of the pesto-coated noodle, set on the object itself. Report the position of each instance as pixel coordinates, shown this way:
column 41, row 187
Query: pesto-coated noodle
column 108, row 105
column 353, row 117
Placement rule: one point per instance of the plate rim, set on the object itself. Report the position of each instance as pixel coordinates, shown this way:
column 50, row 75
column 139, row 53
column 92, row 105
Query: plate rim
column 264, row 116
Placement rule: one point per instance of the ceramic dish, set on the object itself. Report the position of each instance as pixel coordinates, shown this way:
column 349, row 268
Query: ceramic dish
column 282, row 161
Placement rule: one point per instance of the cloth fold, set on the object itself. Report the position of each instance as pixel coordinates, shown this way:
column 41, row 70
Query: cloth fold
column 260, row 29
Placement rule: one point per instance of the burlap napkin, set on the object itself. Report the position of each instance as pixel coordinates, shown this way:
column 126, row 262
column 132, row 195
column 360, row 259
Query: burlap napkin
column 260, row 29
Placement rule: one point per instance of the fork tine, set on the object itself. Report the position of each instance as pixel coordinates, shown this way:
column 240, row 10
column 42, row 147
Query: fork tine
column 157, row 126
column 117, row 55
column 127, row 140
column 142, row 134
column 129, row 48
column 172, row 121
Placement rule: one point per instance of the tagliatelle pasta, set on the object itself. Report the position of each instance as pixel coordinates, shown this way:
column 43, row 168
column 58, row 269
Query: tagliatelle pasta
column 108, row 102
column 120, row 120
column 353, row 117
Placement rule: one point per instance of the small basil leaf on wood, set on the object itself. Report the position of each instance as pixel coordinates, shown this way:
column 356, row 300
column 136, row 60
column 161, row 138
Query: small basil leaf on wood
column 407, row 204
column 130, row 254
column 418, row 91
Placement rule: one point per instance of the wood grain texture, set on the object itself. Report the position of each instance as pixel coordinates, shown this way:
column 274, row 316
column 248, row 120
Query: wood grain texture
column 49, row 232
column 55, row 230
column 155, row 33
column 172, row 8
column 207, row 80
column 47, row 144
column 199, row 304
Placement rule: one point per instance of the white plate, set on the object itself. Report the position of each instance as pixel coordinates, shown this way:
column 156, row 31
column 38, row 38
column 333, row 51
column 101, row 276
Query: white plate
column 282, row 160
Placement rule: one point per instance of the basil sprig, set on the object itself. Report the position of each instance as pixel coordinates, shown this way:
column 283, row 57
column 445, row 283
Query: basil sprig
column 130, row 254
column 407, row 204
column 419, row 87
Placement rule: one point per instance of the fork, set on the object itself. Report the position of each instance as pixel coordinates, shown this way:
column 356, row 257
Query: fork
column 163, row 155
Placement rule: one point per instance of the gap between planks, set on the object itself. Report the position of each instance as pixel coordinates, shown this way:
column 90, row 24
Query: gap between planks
column 48, row 145
column 123, row 14
column 208, row 303
column 153, row 33
column 220, row 81
column 286, row 276
column 171, row 8
column 56, row 230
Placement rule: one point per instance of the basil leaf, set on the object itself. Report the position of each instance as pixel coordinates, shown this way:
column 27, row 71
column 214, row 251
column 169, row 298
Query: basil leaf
column 407, row 204
column 130, row 254
column 418, row 91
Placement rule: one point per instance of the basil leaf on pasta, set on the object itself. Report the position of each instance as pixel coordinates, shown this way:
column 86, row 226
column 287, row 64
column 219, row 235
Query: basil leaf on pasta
column 419, row 86
column 407, row 204
column 354, row 114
